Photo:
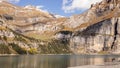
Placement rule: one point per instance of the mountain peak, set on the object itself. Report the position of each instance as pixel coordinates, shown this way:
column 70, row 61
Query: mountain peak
column 106, row 6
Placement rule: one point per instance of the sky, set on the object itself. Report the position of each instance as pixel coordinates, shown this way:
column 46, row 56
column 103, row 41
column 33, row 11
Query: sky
column 60, row 7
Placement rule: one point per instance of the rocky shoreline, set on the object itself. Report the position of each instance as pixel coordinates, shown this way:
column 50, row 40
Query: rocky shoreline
column 106, row 65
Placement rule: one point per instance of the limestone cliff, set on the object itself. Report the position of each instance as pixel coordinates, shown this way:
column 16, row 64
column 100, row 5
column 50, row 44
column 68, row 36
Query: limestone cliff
column 97, row 30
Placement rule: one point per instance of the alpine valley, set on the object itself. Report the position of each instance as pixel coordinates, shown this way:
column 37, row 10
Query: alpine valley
column 28, row 30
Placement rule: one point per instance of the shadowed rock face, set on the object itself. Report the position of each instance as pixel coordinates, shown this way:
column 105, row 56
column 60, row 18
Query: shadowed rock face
column 98, row 37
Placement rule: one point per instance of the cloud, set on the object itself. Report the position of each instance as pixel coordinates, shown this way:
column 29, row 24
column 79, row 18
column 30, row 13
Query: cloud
column 70, row 6
column 41, row 8
column 15, row 1
column 37, row 7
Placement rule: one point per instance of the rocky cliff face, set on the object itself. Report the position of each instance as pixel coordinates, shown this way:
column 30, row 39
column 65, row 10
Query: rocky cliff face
column 102, row 36
column 29, row 30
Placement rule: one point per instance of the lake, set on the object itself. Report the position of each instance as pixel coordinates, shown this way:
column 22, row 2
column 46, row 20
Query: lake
column 54, row 61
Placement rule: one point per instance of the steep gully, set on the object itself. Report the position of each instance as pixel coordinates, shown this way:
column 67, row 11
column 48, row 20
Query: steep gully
column 115, row 34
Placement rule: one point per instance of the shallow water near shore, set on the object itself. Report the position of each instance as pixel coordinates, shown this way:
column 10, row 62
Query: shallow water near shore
column 54, row 61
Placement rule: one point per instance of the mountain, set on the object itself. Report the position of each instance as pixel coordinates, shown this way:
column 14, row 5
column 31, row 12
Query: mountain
column 100, row 29
column 30, row 30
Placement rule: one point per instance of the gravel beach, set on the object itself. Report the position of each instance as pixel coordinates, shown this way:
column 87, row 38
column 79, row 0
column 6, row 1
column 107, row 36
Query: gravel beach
column 106, row 65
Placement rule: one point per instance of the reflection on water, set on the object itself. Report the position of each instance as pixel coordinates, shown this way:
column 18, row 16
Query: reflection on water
column 53, row 61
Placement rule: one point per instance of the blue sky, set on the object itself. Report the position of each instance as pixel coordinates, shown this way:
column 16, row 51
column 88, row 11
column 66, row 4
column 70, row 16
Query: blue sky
column 60, row 7
column 53, row 6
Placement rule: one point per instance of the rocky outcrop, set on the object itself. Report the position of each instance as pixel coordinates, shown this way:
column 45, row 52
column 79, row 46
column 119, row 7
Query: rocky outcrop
column 95, row 31
column 99, row 37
